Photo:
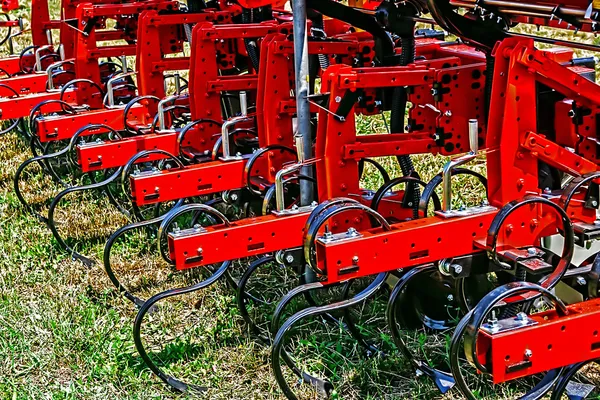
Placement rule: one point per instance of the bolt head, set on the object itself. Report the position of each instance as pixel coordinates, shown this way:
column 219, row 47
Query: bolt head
column 528, row 353
column 450, row 297
column 532, row 251
column 338, row 99
column 354, row 259
column 581, row 281
column 456, row 268
column 289, row 258
column 234, row 197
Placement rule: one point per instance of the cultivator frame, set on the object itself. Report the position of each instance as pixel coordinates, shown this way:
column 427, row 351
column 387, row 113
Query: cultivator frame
column 248, row 128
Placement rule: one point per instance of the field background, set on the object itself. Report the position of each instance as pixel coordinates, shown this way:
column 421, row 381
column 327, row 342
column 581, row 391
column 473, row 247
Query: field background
column 65, row 332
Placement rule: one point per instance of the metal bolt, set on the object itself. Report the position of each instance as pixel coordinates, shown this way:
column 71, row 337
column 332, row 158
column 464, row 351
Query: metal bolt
column 456, row 268
column 594, row 203
column 351, row 232
column 338, row 99
column 197, row 226
column 314, row 204
column 547, row 191
column 200, row 250
column 493, row 322
column 434, row 92
column 450, row 297
column 289, row 258
column 581, row 281
column 522, row 317
column 234, row 197
column 532, row 251
column 355, row 260
column 295, row 207
column 528, row 353
column 447, row 113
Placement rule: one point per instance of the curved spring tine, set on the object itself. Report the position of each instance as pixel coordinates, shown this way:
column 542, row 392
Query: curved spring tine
column 443, row 380
column 106, row 257
column 148, row 305
column 41, row 160
column 242, row 296
column 279, row 341
column 99, row 185
column 353, row 329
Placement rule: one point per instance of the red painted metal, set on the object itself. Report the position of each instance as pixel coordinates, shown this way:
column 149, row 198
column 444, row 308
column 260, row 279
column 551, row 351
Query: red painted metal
column 555, row 341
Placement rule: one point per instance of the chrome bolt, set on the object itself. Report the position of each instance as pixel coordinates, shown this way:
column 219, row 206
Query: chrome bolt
column 338, row 99
column 200, row 250
column 528, row 353
column 532, row 251
column 581, row 281
column 450, row 297
column 447, row 113
column 456, row 268
column 289, row 258
column 521, row 317
column 234, row 197
column 355, row 260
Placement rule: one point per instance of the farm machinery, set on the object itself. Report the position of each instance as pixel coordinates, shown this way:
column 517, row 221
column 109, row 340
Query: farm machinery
column 230, row 132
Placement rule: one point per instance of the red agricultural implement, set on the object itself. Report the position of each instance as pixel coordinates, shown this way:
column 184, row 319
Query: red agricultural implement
column 241, row 134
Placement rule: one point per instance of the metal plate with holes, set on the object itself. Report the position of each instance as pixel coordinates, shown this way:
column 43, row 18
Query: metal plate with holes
column 466, row 212
column 337, row 237
column 536, row 265
column 186, row 232
column 508, row 324
column 293, row 211
column 523, row 254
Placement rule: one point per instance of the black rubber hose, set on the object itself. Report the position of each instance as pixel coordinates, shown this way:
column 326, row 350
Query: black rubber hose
column 399, row 99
